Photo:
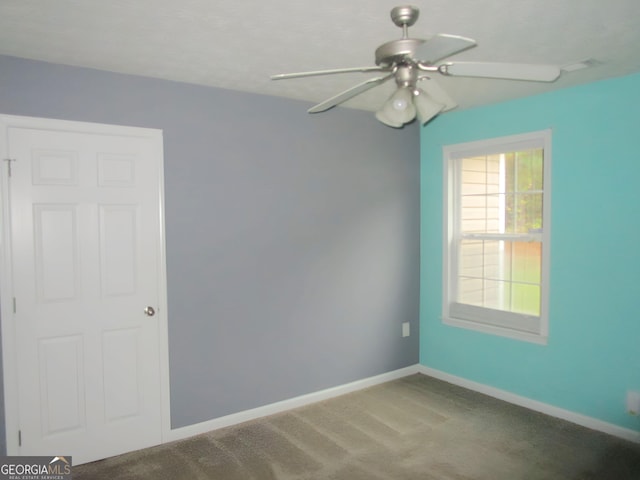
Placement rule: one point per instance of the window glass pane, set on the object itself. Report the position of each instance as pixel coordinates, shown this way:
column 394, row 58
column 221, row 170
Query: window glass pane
column 482, row 214
column 482, row 259
column 523, row 186
column 481, row 203
column 526, row 299
column 523, row 170
column 525, row 261
column 528, row 170
column 471, row 258
column 523, row 213
column 497, row 295
column 471, row 291
column 502, row 193
column 500, row 274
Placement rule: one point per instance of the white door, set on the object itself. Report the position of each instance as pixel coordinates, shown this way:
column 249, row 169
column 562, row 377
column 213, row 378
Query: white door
column 86, row 236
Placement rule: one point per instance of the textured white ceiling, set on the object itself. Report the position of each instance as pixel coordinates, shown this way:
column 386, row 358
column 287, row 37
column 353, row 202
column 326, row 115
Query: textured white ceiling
column 237, row 44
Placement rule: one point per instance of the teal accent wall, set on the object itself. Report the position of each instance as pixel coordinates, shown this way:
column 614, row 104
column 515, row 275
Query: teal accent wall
column 593, row 354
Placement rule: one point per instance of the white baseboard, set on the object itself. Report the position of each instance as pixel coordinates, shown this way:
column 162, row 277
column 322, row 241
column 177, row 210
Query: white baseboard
column 535, row 405
column 284, row 405
column 296, row 402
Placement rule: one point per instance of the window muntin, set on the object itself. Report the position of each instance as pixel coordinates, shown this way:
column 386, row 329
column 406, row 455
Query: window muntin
column 495, row 243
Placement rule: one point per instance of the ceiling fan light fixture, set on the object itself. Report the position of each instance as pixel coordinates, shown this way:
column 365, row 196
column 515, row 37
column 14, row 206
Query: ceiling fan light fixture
column 426, row 107
column 381, row 116
column 399, row 109
column 400, row 104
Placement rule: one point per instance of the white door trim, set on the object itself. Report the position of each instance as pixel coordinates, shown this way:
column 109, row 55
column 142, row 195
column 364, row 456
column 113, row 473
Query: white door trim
column 7, row 320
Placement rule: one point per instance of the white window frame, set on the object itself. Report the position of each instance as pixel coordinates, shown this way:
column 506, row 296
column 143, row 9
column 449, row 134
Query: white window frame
column 509, row 324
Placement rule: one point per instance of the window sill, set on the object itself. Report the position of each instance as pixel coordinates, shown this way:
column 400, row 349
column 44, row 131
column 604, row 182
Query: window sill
column 494, row 330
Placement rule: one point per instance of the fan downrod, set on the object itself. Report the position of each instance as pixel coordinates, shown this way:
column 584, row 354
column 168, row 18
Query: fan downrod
column 395, row 51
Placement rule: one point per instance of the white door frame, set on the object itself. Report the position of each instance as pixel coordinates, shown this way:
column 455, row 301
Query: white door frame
column 7, row 320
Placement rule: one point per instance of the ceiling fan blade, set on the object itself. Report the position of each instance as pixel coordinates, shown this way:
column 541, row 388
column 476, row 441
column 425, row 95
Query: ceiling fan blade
column 438, row 94
column 347, row 94
column 284, row 76
column 510, row 71
column 441, row 46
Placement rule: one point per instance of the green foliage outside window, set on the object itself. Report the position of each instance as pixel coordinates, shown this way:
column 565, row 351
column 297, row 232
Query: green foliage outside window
column 523, row 191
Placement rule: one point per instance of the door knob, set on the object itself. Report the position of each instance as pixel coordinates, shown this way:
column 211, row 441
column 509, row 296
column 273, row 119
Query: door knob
column 150, row 311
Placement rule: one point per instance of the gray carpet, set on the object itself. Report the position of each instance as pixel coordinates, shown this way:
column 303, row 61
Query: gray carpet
column 412, row 428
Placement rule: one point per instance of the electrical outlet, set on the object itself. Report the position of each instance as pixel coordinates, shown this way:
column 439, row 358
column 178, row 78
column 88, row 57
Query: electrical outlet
column 406, row 329
column 633, row 403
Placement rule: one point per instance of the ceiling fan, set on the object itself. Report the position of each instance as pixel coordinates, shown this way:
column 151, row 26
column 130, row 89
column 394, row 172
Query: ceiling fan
column 410, row 60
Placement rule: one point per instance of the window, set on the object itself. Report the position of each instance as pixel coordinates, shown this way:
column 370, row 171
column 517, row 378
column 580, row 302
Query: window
column 496, row 245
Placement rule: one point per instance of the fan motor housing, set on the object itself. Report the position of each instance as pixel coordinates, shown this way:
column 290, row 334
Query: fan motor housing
column 396, row 51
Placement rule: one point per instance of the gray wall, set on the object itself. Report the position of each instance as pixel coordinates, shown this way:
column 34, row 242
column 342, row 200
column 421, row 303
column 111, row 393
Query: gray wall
column 292, row 239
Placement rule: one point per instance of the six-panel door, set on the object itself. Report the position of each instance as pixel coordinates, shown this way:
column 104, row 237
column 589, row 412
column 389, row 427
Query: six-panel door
column 86, row 239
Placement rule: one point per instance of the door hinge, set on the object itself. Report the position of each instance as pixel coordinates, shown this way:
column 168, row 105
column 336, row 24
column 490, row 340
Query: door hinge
column 19, row 438
column 15, row 307
column 9, row 160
